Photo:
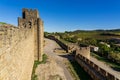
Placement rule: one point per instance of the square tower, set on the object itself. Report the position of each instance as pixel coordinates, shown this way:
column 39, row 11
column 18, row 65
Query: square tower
column 30, row 20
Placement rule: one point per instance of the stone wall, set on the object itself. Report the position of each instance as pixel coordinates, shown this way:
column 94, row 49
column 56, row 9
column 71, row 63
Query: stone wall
column 16, row 54
column 96, row 72
column 18, row 46
column 84, row 51
column 30, row 19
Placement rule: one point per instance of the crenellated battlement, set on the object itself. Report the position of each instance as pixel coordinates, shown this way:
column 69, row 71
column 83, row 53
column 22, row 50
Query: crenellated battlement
column 29, row 18
column 27, row 14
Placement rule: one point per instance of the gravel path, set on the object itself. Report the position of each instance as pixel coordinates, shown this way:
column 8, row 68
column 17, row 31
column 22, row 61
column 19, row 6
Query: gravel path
column 49, row 49
column 55, row 64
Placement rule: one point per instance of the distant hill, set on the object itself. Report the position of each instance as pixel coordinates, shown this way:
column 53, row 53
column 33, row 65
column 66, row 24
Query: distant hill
column 98, row 30
column 99, row 34
column 3, row 23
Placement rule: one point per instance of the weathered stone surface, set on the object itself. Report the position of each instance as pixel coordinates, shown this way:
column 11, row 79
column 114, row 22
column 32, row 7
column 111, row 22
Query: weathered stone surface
column 30, row 19
column 84, row 51
column 18, row 46
column 94, row 70
column 16, row 59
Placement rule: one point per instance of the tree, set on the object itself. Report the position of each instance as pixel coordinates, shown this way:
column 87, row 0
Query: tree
column 104, row 50
column 115, row 57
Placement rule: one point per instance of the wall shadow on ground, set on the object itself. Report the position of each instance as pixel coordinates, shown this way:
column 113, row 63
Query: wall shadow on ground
column 77, row 68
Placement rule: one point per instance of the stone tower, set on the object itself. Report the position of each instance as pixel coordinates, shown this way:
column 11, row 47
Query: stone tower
column 84, row 51
column 30, row 20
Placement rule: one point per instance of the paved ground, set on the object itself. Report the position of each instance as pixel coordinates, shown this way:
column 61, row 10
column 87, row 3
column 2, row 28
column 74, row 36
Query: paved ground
column 55, row 66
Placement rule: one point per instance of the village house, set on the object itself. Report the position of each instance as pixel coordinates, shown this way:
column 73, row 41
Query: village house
column 93, row 48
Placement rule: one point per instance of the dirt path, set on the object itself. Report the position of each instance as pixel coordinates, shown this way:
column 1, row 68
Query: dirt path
column 55, row 65
column 106, row 67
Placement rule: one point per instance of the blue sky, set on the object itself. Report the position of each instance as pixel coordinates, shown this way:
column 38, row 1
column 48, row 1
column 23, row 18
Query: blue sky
column 66, row 15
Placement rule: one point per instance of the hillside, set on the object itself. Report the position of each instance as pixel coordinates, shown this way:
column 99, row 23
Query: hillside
column 78, row 35
column 2, row 23
column 97, row 34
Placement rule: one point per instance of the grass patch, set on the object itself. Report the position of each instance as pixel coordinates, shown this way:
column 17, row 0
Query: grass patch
column 36, row 63
column 77, row 71
column 108, row 62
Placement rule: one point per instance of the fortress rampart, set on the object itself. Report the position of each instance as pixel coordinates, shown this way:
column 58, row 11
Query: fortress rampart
column 20, row 46
column 84, row 51
column 30, row 19
column 96, row 72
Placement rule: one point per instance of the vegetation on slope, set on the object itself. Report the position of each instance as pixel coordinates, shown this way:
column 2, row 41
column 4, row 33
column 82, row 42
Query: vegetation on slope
column 78, row 35
column 2, row 23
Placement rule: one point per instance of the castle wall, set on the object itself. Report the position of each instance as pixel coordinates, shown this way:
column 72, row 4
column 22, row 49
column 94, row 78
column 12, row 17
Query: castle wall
column 84, row 51
column 40, row 38
column 16, row 54
column 96, row 72
column 30, row 19
column 20, row 46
